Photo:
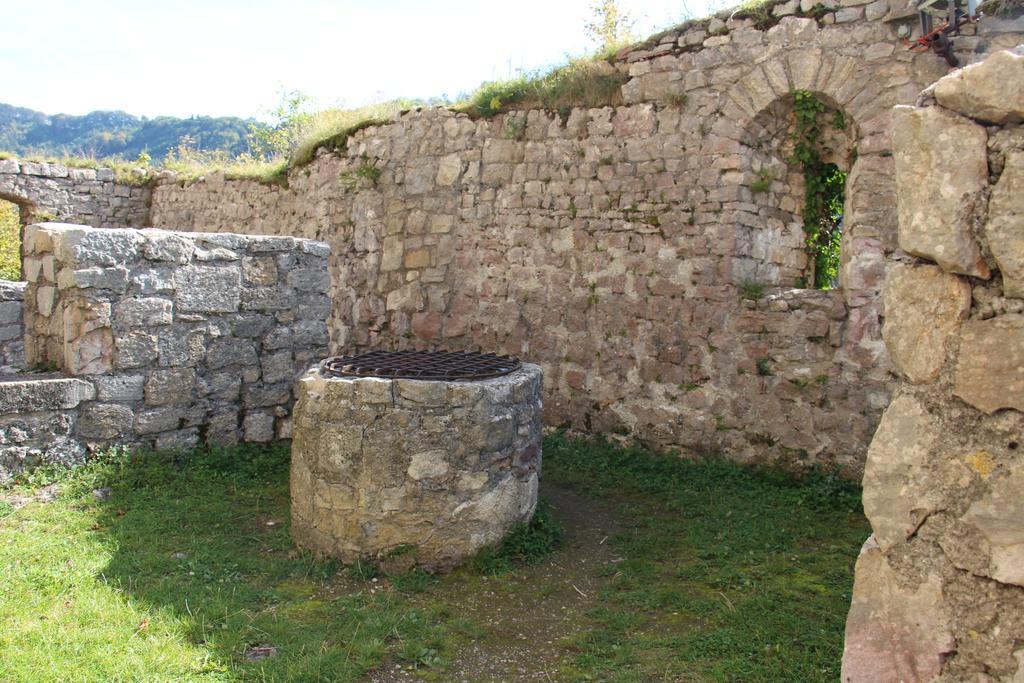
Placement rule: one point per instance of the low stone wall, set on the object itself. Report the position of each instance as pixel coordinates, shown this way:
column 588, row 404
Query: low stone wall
column 939, row 590
column 89, row 196
column 38, row 423
column 12, row 328
column 187, row 338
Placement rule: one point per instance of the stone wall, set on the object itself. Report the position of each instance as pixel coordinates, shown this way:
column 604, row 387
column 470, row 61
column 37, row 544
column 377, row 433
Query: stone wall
column 89, row 196
column 939, row 592
column 39, row 421
column 187, row 338
column 612, row 245
column 12, row 329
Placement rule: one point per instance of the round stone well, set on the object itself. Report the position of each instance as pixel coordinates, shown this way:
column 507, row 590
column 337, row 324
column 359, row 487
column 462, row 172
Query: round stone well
column 431, row 470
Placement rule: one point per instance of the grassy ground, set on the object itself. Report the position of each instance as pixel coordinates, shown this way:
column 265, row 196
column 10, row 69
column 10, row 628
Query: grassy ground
column 10, row 241
column 669, row 571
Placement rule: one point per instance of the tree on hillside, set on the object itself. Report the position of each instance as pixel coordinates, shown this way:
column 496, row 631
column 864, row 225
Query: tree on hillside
column 610, row 25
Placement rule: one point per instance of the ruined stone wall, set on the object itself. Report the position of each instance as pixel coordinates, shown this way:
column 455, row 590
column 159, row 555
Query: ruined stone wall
column 187, row 338
column 939, row 591
column 12, row 329
column 613, row 246
column 88, row 196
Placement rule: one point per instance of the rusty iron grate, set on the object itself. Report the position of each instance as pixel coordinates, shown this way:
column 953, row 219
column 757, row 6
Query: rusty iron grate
column 433, row 365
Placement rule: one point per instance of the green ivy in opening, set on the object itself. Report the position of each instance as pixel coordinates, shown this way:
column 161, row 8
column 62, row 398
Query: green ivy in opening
column 823, row 193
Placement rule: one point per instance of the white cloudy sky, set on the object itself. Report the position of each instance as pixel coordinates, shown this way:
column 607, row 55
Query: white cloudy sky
column 234, row 57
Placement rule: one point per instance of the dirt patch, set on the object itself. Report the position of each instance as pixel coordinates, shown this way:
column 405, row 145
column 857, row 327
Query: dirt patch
column 515, row 627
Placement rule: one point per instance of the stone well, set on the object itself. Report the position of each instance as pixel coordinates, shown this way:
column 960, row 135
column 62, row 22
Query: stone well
column 429, row 470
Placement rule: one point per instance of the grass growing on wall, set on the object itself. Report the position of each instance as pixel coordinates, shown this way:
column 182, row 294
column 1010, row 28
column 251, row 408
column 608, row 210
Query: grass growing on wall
column 588, row 82
column 10, row 241
column 183, row 569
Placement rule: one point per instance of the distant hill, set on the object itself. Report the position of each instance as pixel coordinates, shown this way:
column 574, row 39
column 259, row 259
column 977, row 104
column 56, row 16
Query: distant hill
column 114, row 133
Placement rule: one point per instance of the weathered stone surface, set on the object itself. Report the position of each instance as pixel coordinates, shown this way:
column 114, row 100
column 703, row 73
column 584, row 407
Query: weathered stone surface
column 894, row 631
column 941, row 177
column 120, row 388
column 1004, row 229
column 990, row 366
column 144, row 312
column 207, row 289
column 170, row 386
column 106, row 421
column 923, row 311
column 430, row 472
column 183, row 354
column 897, row 496
column 985, row 91
column 999, row 518
column 46, row 394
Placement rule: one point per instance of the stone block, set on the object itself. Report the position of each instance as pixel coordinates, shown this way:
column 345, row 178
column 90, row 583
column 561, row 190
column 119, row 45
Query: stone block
column 106, row 421
column 896, row 475
column 114, row 278
column 941, row 178
column 160, row 245
column 999, row 518
column 85, row 247
column 119, row 388
column 991, row 91
column 258, row 427
column 43, row 395
column 135, row 350
column 165, row 419
column 894, row 631
column 1004, row 230
column 143, row 312
column 990, row 366
column 261, row 270
column 207, row 289
column 170, row 386
column 923, row 310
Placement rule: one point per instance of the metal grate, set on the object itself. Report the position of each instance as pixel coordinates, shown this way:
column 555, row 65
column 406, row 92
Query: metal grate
column 437, row 365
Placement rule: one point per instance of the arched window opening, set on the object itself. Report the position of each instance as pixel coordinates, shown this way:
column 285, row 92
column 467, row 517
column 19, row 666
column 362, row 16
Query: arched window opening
column 823, row 223
column 10, row 241
column 799, row 150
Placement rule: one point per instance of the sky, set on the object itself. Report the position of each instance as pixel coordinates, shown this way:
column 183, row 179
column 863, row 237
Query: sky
column 236, row 57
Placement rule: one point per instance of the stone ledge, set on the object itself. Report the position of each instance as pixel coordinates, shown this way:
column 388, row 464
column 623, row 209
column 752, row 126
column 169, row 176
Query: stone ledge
column 26, row 396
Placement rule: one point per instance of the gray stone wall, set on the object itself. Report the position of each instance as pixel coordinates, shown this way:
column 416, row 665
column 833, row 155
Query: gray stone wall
column 612, row 245
column 38, row 422
column 12, row 329
column 188, row 338
column 86, row 196
column 939, row 589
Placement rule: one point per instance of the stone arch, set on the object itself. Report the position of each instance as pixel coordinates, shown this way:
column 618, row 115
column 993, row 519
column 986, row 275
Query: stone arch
column 844, row 85
column 773, row 251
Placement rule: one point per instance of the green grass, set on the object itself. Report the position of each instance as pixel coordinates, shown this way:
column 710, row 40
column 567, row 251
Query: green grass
column 723, row 573
column 586, row 82
column 10, row 241
column 728, row 573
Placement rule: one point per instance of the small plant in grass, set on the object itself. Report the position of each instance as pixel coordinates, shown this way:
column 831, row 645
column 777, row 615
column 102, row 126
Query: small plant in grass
column 751, row 290
column 525, row 544
column 764, row 366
